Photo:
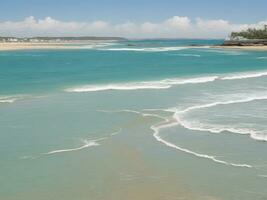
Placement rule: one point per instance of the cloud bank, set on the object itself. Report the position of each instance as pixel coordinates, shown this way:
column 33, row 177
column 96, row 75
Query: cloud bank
column 174, row 27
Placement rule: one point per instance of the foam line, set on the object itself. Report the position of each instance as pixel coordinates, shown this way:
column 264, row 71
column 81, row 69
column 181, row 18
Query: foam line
column 157, row 128
column 8, row 99
column 167, row 123
column 132, row 111
column 116, row 132
column 153, row 49
column 188, row 125
column 163, row 84
column 249, row 99
column 189, row 55
column 87, row 143
column 95, row 45
column 166, row 83
column 213, row 158
column 245, row 75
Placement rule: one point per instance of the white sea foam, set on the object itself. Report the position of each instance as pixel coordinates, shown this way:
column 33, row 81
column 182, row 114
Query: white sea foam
column 262, row 58
column 167, row 123
column 163, row 84
column 9, row 99
column 116, row 132
column 213, row 158
column 14, row 98
column 157, row 128
column 195, row 125
column 87, row 143
column 122, row 86
column 96, row 45
column 213, row 128
column 189, row 55
column 132, row 111
column 243, row 100
column 245, row 75
column 152, row 49
column 166, row 83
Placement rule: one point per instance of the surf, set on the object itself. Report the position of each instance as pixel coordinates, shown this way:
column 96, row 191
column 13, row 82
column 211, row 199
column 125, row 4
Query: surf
column 168, row 123
column 162, row 84
column 166, row 83
column 147, row 49
column 198, row 126
column 9, row 99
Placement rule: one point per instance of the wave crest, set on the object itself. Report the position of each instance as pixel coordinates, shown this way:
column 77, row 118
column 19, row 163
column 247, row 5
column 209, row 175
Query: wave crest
column 9, row 99
column 167, row 123
column 165, row 83
column 152, row 49
column 193, row 125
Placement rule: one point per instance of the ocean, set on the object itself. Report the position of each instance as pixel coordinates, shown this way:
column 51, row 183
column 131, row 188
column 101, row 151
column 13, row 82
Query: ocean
column 136, row 119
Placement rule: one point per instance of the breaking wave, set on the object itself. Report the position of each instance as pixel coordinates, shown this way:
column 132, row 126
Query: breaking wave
column 152, row 49
column 165, row 83
column 192, row 125
column 167, row 123
column 245, row 75
column 9, row 99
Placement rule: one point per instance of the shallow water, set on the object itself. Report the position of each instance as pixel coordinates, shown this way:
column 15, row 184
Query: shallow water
column 153, row 120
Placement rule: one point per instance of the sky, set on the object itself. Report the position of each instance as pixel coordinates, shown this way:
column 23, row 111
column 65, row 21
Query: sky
column 128, row 18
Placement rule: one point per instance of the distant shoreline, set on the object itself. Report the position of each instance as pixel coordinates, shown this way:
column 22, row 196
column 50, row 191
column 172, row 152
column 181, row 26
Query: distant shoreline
column 251, row 48
column 9, row 46
column 245, row 44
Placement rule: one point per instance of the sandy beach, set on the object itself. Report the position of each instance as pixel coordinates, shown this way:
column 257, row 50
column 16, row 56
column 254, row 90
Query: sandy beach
column 8, row 46
column 256, row 48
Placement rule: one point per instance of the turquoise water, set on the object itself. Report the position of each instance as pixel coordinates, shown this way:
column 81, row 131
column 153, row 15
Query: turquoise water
column 141, row 119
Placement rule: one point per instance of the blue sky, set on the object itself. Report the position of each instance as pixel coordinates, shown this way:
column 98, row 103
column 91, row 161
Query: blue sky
column 132, row 19
column 117, row 11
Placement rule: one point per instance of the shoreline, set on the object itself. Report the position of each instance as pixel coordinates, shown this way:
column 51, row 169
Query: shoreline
column 252, row 48
column 12, row 46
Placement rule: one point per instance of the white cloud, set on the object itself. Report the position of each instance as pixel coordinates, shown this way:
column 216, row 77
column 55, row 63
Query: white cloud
column 174, row 27
column 178, row 22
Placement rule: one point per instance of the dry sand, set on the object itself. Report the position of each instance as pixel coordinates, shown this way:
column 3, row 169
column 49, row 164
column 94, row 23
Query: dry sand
column 7, row 46
column 256, row 48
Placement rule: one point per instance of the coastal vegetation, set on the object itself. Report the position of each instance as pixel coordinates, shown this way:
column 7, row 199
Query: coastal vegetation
column 250, row 37
column 251, row 33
